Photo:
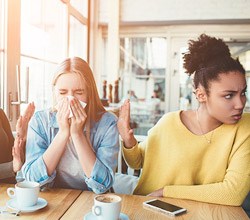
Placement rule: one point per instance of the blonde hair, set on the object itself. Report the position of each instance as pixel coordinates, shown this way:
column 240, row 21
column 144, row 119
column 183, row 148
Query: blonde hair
column 76, row 65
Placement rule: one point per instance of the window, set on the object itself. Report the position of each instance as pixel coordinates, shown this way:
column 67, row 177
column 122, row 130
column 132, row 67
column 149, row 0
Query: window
column 241, row 49
column 78, row 29
column 1, row 52
column 142, row 74
column 186, row 99
column 78, row 39
column 39, row 37
column 81, row 5
column 45, row 43
column 42, row 40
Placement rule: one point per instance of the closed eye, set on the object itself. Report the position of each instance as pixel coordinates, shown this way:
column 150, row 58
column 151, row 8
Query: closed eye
column 79, row 93
column 62, row 91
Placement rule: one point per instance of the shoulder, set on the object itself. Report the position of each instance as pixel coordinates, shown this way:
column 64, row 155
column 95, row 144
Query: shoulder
column 2, row 113
column 108, row 117
column 170, row 117
column 44, row 116
column 244, row 121
column 107, row 121
column 245, row 117
column 166, row 122
column 106, row 127
column 43, row 113
column 3, row 119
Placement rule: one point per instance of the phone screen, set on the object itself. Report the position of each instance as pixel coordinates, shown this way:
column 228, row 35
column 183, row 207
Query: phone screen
column 164, row 205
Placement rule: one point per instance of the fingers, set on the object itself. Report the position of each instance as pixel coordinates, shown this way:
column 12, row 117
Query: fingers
column 131, row 131
column 63, row 110
column 63, row 115
column 79, row 116
column 24, row 120
column 17, row 142
column 21, row 128
column 29, row 111
column 77, row 109
column 125, row 110
column 17, row 149
column 19, row 122
column 18, row 154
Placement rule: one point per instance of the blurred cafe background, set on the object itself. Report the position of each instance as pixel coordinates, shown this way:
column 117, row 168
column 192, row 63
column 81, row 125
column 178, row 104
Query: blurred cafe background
column 134, row 48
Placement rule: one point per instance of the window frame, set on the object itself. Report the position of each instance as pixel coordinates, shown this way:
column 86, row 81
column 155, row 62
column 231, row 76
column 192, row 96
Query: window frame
column 12, row 53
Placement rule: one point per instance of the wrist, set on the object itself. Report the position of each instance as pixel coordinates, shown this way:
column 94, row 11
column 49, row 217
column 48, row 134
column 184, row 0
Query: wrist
column 130, row 143
column 63, row 133
column 78, row 134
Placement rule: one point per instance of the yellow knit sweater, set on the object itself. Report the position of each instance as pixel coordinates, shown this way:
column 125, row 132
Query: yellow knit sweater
column 187, row 167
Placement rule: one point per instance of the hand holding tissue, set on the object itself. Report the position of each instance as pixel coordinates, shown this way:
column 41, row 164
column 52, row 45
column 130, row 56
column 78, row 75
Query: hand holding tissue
column 70, row 110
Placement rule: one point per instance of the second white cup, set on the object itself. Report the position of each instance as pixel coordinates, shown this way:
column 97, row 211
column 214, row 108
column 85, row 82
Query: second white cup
column 26, row 193
column 107, row 207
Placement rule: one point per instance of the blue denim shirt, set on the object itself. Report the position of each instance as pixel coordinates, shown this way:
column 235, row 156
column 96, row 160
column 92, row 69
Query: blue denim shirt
column 104, row 138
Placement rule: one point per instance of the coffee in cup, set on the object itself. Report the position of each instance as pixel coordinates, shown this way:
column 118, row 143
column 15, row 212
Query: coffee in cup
column 26, row 193
column 107, row 206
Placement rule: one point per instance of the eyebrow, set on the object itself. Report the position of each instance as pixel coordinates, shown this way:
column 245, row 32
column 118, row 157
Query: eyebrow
column 75, row 90
column 234, row 90
column 79, row 90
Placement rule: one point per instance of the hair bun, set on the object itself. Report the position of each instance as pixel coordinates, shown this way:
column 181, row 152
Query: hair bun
column 204, row 52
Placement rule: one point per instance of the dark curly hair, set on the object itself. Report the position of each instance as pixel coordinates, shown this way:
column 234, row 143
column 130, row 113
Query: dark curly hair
column 207, row 58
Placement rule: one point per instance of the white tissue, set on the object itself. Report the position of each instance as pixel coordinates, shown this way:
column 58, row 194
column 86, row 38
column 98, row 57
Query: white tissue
column 70, row 111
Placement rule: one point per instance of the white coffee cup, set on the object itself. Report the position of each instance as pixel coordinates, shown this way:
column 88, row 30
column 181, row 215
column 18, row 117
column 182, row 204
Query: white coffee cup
column 107, row 207
column 26, row 193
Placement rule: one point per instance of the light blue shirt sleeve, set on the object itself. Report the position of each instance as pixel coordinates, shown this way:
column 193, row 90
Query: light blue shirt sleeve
column 37, row 143
column 102, row 176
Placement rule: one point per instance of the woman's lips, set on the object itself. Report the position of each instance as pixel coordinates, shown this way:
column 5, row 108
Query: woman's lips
column 237, row 117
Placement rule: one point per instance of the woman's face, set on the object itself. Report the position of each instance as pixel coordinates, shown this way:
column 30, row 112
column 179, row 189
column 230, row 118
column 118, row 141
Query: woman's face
column 227, row 97
column 71, row 84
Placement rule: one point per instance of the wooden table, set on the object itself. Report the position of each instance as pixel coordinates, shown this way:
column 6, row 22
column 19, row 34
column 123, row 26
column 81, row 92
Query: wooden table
column 59, row 200
column 132, row 206
column 68, row 204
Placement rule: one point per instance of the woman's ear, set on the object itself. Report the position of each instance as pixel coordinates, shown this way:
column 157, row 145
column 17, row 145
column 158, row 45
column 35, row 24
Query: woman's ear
column 200, row 94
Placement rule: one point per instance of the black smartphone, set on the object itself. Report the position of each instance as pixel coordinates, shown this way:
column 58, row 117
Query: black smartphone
column 164, row 207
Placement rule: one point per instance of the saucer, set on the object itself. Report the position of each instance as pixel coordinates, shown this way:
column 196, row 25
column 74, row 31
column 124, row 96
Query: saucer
column 41, row 203
column 90, row 216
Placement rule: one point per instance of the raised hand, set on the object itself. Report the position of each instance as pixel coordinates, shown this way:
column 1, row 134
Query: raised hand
column 123, row 125
column 23, row 121
column 18, row 150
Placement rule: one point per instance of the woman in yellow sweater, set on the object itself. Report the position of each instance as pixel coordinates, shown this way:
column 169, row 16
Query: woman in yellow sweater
column 201, row 154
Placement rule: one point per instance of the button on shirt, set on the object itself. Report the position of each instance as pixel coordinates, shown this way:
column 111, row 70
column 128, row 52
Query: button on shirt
column 69, row 174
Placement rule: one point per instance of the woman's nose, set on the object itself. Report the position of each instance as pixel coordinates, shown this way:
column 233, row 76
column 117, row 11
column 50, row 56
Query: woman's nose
column 70, row 93
column 240, row 103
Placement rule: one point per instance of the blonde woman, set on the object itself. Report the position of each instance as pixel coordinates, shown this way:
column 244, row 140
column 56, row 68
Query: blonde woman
column 75, row 143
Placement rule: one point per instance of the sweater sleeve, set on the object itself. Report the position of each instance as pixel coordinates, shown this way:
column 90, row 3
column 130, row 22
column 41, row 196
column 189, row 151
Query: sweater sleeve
column 135, row 156
column 231, row 191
